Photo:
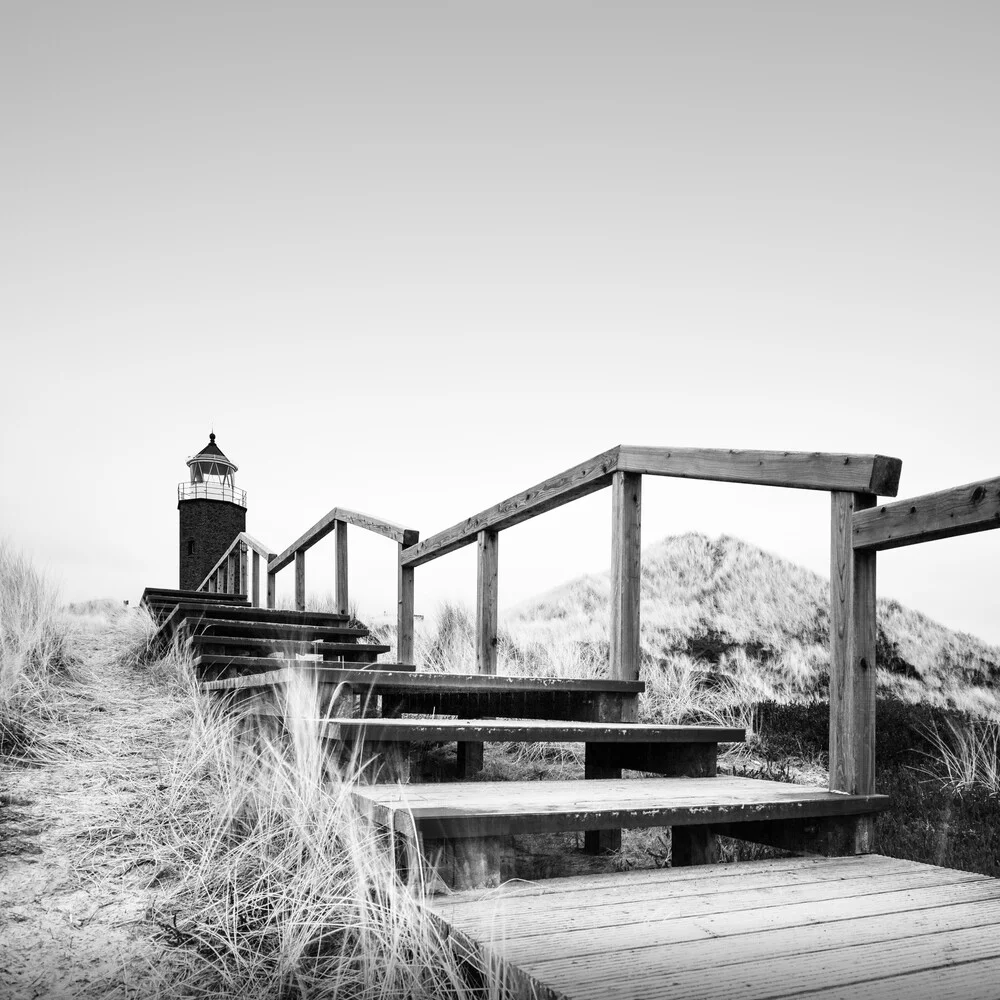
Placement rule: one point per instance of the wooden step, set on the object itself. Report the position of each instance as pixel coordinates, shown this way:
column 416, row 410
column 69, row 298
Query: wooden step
column 460, row 827
column 213, row 667
column 864, row 927
column 470, row 696
column 524, row 731
column 161, row 602
column 265, row 616
column 254, row 646
column 609, row 747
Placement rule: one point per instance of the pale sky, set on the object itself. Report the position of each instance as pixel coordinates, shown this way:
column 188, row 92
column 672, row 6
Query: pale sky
column 414, row 258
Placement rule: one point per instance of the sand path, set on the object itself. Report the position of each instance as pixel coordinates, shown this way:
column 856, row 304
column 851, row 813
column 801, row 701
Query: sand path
column 74, row 898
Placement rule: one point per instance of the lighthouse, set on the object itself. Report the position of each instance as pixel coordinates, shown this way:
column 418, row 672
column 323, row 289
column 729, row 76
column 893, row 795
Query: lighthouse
column 212, row 513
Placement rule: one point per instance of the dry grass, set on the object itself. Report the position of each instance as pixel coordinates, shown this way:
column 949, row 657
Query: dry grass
column 275, row 886
column 36, row 653
column 966, row 757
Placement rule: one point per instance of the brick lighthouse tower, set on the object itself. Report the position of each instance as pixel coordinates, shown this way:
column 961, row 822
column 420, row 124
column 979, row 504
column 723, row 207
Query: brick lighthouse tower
column 212, row 513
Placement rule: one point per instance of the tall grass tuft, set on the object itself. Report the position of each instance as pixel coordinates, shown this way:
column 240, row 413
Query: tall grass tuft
column 967, row 756
column 283, row 889
column 35, row 650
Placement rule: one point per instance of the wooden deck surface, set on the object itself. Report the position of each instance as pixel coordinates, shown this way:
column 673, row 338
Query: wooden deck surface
column 865, row 928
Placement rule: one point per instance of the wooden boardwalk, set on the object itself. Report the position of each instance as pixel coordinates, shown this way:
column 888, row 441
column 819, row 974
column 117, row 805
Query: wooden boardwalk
column 864, row 928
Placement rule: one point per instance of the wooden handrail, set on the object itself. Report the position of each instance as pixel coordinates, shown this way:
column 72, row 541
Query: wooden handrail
column 230, row 574
column 337, row 520
column 869, row 474
column 961, row 510
column 327, row 523
column 799, row 470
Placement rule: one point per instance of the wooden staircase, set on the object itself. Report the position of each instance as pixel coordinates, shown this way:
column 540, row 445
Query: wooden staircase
column 859, row 925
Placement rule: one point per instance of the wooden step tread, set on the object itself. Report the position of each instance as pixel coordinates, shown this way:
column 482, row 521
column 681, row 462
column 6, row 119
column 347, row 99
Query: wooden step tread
column 496, row 808
column 205, row 625
column 395, row 677
column 863, row 927
column 200, row 640
column 237, row 613
column 165, row 595
column 523, row 731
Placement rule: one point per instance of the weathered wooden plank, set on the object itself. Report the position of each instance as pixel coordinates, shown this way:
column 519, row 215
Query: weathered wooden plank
column 703, row 909
column 405, row 609
column 402, row 677
column 875, row 474
column 271, row 590
column 533, row 939
column 255, row 579
column 343, row 596
column 966, row 981
column 820, row 932
column 634, row 736
column 626, row 574
column 788, row 975
column 498, row 808
column 595, row 900
column 961, row 510
column 852, row 659
column 328, row 522
column 582, row 479
column 486, row 602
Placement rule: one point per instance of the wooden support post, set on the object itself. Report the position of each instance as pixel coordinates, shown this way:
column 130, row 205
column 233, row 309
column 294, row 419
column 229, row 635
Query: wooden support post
column 404, row 617
column 469, row 759
column 255, row 579
column 343, row 607
column 852, row 661
column 231, row 573
column 599, row 764
column 271, row 585
column 626, row 571
column 242, row 588
column 465, row 862
column 693, row 845
column 486, row 603
column 300, row 580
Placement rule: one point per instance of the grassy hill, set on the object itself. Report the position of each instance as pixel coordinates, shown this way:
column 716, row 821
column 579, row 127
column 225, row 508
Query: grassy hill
column 724, row 614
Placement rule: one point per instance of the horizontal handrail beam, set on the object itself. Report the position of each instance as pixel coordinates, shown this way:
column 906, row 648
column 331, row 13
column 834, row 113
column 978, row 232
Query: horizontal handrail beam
column 256, row 545
column 875, row 474
column 587, row 477
column 327, row 523
column 803, row 470
column 961, row 510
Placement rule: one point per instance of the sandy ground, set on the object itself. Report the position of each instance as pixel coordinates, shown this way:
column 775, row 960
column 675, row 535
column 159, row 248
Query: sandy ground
column 74, row 903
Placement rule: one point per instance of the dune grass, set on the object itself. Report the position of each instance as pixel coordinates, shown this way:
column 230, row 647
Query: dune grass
column 36, row 653
column 274, row 886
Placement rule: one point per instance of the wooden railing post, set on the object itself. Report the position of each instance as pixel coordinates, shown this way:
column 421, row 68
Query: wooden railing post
column 852, row 660
column 342, row 594
column 244, row 556
column 626, row 563
column 300, row 580
column 486, row 602
column 271, row 582
column 404, row 616
column 255, row 579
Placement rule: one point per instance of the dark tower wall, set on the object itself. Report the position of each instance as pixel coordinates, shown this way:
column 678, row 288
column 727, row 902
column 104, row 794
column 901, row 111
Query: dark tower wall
column 211, row 525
